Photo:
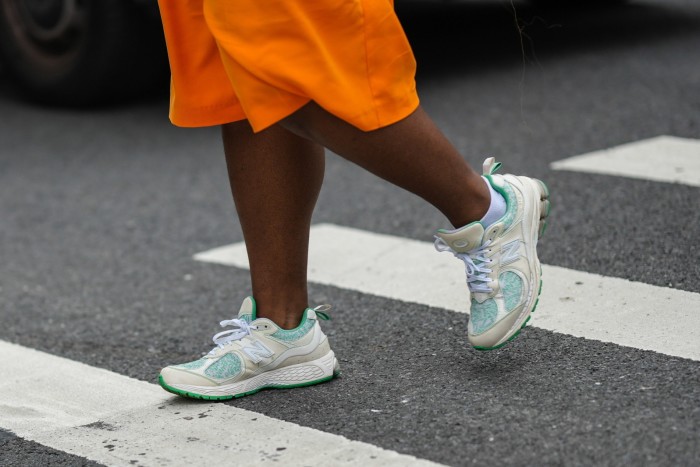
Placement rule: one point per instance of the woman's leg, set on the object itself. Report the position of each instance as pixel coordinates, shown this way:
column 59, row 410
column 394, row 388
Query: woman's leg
column 500, row 256
column 276, row 176
column 275, row 179
column 411, row 153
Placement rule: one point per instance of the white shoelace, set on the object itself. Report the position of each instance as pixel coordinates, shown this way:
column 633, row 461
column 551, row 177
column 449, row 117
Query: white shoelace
column 225, row 337
column 475, row 262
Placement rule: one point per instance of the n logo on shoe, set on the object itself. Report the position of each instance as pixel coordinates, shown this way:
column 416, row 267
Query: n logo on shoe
column 510, row 252
column 257, row 351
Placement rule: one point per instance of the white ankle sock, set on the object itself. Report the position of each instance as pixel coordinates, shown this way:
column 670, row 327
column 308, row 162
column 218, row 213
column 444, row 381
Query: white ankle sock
column 497, row 209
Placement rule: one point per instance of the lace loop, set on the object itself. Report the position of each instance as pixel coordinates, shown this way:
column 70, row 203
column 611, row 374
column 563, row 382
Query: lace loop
column 475, row 261
column 226, row 337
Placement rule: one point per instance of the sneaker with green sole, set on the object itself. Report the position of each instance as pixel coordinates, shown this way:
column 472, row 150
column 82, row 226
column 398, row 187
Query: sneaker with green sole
column 503, row 270
column 254, row 355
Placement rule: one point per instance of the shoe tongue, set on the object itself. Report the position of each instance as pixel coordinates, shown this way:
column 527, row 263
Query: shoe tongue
column 247, row 311
column 463, row 239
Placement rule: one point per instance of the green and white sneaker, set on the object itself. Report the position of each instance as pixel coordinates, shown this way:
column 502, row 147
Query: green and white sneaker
column 256, row 354
column 503, row 271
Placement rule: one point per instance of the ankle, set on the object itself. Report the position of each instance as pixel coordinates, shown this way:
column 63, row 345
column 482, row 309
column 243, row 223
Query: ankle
column 475, row 205
column 286, row 315
column 287, row 322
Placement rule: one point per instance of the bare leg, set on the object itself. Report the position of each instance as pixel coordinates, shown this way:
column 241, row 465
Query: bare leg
column 411, row 153
column 275, row 179
column 276, row 176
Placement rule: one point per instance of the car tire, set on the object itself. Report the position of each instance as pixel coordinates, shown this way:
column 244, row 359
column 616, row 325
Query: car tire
column 82, row 52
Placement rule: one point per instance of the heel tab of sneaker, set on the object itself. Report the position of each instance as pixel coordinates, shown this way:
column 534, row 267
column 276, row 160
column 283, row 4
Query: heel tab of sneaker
column 248, row 308
column 319, row 312
column 490, row 166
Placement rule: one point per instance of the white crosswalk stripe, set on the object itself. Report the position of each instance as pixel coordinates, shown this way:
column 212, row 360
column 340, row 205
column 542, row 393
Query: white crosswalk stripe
column 119, row 421
column 578, row 303
column 662, row 159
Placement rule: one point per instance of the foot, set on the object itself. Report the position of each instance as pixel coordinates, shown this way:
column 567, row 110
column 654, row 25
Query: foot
column 256, row 354
column 503, row 271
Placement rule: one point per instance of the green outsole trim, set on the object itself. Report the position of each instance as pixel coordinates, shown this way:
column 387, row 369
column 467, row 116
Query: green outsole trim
column 194, row 395
column 517, row 333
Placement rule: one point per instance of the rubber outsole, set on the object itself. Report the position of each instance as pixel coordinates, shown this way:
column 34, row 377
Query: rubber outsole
column 544, row 198
column 194, row 395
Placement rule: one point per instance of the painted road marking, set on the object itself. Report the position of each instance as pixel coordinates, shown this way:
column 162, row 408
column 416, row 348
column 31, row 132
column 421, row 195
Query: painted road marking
column 115, row 420
column 578, row 303
column 664, row 159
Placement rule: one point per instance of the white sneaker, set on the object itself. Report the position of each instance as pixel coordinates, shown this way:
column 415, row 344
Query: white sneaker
column 256, row 354
column 503, row 271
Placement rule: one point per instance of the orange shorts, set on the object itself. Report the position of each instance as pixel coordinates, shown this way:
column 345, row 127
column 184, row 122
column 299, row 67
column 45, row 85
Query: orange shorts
column 262, row 60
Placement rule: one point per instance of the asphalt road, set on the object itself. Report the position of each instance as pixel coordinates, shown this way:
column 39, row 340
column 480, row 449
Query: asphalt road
column 102, row 210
